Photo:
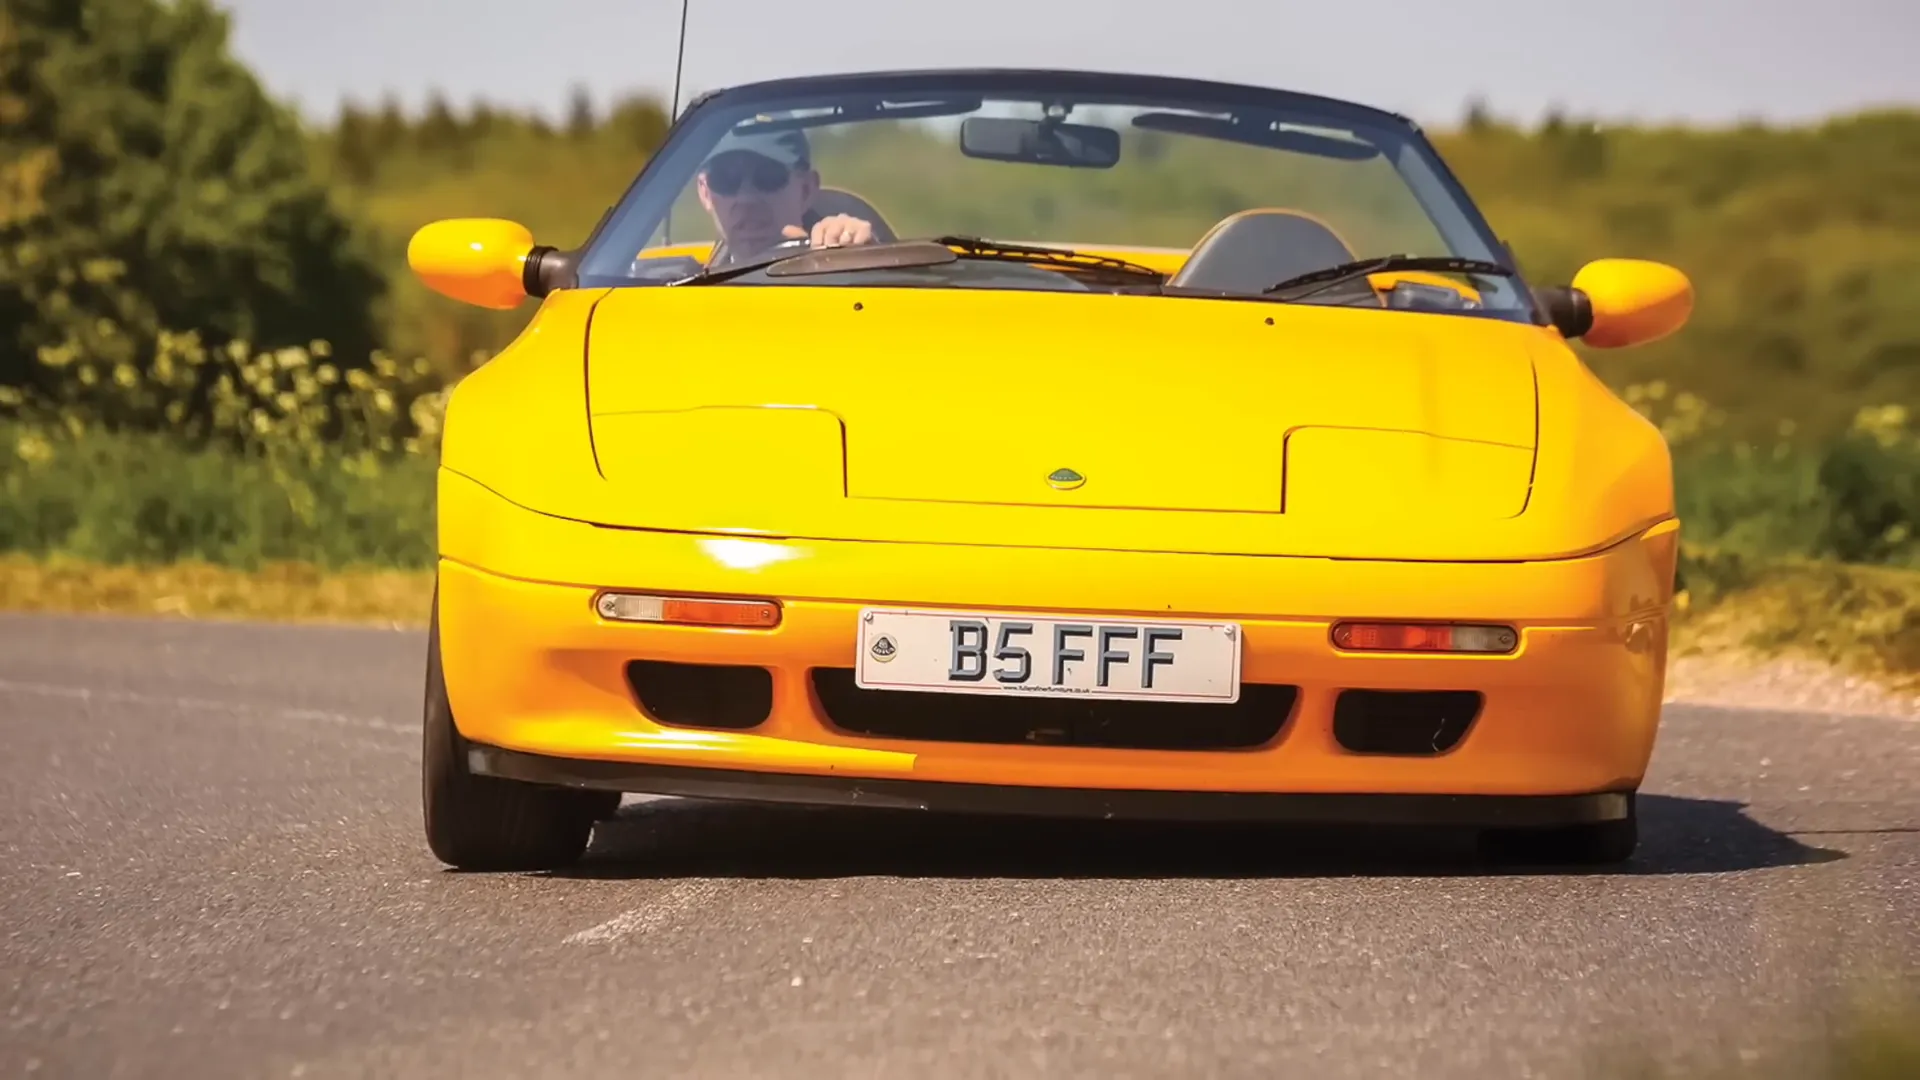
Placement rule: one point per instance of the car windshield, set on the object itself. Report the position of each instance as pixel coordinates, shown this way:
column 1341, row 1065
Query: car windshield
column 1060, row 181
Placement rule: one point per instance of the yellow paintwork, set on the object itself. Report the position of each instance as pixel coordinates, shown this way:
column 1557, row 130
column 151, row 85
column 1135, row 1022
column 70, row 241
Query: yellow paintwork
column 1281, row 465
column 701, row 250
column 475, row 260
column 1634, row 301
column 1182, row 435
column 1407, row 474
column 529, row 666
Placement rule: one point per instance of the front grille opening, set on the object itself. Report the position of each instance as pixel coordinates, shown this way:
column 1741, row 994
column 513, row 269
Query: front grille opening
column 702, row 695
column 1404, row 722
column 1126, row 725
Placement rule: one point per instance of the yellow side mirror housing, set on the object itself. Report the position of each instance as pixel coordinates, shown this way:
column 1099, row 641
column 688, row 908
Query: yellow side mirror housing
column 479, row 261
column 1615, row 303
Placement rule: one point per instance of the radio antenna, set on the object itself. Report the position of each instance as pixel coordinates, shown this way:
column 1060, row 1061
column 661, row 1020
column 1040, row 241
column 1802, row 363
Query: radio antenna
column 679, row 65
column 679, row 61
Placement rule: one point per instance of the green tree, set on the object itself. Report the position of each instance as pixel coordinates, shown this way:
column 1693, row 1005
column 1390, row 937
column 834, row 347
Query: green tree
column 390, row 132
column 147, row 183
column 581, row 123
column 640, row 123
column 482, row 121
column 439, row 131
column 1479, row 118
column 354, row 155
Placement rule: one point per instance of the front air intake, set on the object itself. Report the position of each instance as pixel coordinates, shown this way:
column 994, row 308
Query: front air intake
column 1255, row 720
column 1404, row 722
column 702, row 695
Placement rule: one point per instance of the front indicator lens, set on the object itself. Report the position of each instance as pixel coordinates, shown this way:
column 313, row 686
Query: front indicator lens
column 687, row 611
column 1424, row 637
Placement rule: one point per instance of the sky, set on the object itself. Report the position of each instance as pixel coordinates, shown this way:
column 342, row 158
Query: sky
column 1707, row 61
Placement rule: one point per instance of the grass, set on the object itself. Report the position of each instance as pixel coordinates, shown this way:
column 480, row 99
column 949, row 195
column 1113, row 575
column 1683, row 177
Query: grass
column 284, row 591
column 1863, row 619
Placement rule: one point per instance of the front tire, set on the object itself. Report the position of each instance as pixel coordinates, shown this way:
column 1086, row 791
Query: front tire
column 485, row 822
column 1598, row 843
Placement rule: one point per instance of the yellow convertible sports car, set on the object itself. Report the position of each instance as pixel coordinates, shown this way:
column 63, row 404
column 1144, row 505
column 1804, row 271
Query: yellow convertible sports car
column 1044, row 442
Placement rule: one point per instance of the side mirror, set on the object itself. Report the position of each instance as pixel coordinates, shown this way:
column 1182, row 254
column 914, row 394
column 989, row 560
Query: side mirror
column 486, row 262
column 1614, row 303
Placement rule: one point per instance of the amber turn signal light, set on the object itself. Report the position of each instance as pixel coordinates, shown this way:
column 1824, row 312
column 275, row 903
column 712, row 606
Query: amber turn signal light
column 1424, row 637
column 687, row 610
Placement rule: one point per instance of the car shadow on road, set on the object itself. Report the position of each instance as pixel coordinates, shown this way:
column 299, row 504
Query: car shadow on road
column 693, row 838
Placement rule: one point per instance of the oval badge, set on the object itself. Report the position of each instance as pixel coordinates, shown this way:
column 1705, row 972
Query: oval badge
column 1065, row 479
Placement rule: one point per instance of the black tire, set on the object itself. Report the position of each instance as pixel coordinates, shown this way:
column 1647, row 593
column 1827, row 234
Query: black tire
column 1600, row 843
column 485, row 822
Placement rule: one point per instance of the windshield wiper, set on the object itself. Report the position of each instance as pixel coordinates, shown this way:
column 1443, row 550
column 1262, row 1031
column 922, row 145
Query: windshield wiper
column 981, row 248
column 1334, row 275
column 899, row 253
column 713, row 274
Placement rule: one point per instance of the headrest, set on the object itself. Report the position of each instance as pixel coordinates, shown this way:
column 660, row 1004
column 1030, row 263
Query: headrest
column 1256, row 248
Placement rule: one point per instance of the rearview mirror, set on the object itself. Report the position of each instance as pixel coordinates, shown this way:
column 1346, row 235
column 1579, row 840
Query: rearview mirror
column 486, row 262
column 1615, row 303
column 1039, row 142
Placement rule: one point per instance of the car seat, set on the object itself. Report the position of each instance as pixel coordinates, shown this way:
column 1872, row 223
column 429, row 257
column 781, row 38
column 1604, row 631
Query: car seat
column 1253, row 249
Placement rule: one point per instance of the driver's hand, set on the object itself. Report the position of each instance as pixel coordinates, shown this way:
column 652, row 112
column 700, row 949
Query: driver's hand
column 835, row 231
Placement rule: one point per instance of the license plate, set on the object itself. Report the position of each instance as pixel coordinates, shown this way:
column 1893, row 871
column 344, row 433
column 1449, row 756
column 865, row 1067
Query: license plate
column 974, row 653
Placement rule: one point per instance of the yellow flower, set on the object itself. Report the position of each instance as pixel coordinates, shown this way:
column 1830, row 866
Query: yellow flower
column 33, row 448
column 1885, row 424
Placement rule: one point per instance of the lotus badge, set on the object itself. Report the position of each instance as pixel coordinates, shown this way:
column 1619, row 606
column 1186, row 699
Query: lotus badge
column 884, row 649
column 1065, row 479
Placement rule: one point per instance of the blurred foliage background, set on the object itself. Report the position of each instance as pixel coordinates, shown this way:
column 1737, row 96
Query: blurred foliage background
column 210, row 347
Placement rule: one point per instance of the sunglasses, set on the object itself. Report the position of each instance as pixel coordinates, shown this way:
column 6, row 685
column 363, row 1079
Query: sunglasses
column 726, row 175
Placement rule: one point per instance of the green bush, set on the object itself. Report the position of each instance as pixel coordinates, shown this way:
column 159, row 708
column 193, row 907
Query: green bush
column 1854, row 498
column 133, row 497
column 287, row 458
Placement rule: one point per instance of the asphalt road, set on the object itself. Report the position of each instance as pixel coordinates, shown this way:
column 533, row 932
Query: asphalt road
column 211, row 865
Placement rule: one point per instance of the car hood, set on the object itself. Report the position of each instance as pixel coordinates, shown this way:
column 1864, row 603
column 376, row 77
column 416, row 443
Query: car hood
column 1129, row 422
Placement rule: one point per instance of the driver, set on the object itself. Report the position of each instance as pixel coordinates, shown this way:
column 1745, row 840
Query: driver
column 759, row 187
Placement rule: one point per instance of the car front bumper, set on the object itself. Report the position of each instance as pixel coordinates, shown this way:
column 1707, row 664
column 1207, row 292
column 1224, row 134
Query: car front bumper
column 539, row 682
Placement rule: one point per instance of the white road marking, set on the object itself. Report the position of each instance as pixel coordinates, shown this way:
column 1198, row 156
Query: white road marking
column 125, row 697
column 682, row 897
